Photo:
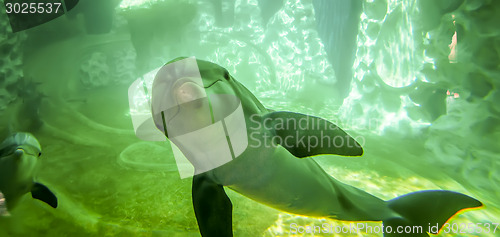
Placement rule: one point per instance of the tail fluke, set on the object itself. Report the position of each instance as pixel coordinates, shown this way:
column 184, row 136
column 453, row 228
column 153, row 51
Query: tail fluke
column 425, row 212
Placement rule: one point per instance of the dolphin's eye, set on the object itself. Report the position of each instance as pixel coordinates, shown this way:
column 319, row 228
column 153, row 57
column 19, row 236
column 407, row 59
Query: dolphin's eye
column 39, row 154
column 226, row 75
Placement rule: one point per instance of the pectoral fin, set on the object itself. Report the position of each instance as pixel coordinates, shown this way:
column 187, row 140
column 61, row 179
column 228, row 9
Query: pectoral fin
column 212, row 207
column 304, row 135
column 42, row 193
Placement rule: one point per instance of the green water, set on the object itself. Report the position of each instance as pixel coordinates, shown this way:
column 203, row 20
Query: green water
column 427, row 121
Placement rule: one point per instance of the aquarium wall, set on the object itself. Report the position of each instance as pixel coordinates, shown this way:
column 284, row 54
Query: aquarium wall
column 415, row 82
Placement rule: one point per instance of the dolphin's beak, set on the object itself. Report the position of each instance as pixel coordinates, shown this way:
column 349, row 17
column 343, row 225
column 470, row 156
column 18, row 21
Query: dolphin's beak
column 186, row 90
column 19, row 152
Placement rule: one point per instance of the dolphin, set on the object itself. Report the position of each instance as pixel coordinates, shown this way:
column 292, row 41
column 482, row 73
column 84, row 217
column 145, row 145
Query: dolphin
column 274, row 167
column 19, row 154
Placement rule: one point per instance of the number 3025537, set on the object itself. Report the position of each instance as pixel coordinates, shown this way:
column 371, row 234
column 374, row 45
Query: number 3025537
column 470, row 228
column 33, row 8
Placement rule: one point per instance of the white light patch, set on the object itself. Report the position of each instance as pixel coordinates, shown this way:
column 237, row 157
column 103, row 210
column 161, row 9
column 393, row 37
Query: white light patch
column 136, row 3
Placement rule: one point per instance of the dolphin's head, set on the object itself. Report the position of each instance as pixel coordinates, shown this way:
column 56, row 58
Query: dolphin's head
column 190, row 94
column 214, row 80
column 18, row 155
column 19, row 144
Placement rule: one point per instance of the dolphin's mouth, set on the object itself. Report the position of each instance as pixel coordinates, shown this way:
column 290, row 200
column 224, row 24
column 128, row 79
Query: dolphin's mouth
column 186, row 90
column 16, row 150
column 28, row 151
column 183, row 80
column 212, row 84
